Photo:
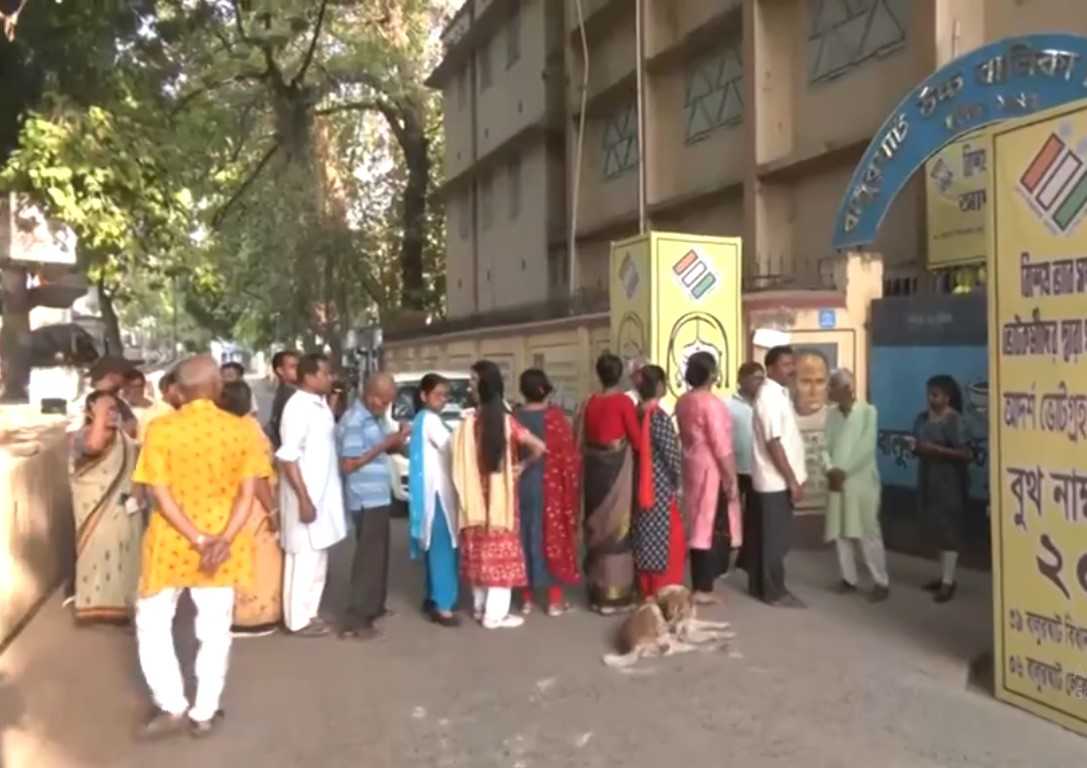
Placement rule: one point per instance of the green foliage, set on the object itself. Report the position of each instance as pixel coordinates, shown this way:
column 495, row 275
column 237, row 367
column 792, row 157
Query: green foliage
column 255, row 153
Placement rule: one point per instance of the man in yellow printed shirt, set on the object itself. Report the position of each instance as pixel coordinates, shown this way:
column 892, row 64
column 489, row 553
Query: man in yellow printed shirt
column 201, row 465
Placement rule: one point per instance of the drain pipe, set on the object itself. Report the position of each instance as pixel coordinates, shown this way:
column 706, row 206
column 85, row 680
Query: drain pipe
column 580, row 148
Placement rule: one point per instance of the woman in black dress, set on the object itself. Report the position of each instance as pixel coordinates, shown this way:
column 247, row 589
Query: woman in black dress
column 943, row 458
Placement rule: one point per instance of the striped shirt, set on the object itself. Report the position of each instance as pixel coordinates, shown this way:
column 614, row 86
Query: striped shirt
column 368, row 486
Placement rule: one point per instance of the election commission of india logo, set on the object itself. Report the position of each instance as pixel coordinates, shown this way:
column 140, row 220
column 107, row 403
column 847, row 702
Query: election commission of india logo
column 1054, row 184
column 695, row 275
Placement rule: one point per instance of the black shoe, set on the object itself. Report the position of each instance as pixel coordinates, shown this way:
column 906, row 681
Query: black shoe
column 203, row 728
column 933, row 586
column 843, row 587
column 879, row 594
column 365, row 631
column 428, row 606
column 945, row 593
column 162, row 724
column 789, row 600
column 452, row 620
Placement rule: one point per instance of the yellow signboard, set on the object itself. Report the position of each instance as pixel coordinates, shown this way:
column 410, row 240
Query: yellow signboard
column 957, row 196
column 1038, row 365
column 673, row 295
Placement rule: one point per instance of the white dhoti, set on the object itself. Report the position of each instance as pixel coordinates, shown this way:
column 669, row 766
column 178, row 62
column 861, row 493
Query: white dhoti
column 304, row 574
column 158, row 659
column 874, row 557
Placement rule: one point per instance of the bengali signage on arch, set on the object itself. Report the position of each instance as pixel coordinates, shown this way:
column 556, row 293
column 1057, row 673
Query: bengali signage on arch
column 1009, row 79
column 1038, row 315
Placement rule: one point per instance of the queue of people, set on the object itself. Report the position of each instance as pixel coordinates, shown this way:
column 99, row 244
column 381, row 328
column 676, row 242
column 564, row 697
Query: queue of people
column 519, row 505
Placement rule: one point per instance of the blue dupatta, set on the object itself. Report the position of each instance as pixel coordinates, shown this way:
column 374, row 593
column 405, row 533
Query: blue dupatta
column 416, row 486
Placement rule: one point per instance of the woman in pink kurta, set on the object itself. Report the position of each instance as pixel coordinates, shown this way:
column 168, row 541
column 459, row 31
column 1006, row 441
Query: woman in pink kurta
column 710, row 495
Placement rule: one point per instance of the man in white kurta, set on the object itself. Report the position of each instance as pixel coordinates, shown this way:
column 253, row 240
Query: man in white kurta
column 310, row 496
column 853, row 479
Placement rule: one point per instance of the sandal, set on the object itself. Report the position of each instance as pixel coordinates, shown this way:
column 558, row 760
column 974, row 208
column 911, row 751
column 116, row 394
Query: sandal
column 554, row 611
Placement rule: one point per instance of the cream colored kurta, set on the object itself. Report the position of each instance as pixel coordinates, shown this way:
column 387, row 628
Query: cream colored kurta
column 851, row 447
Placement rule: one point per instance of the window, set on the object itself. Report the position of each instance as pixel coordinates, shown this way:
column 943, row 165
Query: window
column 462, row 89
column 621, row 141
column 486, row 201
column 514, row 171
column 485, row 66
column 845, row 33
column 464, row 208
column 714, row 92
column 513, row 34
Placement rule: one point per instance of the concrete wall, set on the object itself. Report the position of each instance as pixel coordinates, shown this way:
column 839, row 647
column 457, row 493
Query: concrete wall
column 36, row 536
column 566, row 349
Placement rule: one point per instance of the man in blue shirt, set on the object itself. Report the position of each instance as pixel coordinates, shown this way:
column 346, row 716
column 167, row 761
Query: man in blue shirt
column 362, row 445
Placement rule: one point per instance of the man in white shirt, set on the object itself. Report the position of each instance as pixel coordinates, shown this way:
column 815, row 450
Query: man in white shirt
column 310, row 496
column 778, row 473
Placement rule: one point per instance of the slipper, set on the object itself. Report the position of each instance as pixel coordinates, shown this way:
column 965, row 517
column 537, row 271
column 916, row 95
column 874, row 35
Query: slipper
column 313, row 629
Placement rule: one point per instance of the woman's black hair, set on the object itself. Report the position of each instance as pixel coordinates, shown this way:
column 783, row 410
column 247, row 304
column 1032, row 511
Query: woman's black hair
column 95, row 396
column 492, row 414
column 949, row 387
column 427, row 384
column 609, row 369
column 236, row 398
column 649, row 381
column 535, row 386
column 701, row 368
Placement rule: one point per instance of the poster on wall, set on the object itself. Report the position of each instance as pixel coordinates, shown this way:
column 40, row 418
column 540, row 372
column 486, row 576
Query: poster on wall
column 956, row 202
column 630, row 301
column 914, row 339
column 814, row 362
column 1039, row 363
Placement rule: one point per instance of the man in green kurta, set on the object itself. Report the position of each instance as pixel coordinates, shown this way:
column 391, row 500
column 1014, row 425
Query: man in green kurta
column 853, row 480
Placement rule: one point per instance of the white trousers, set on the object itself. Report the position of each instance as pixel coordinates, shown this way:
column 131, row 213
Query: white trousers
column 158, row 659
column 492, row 602
column 304, row 576
column 874, row 557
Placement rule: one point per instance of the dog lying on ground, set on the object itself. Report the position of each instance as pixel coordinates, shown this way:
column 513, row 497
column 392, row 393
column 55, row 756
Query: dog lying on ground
column 665, row 626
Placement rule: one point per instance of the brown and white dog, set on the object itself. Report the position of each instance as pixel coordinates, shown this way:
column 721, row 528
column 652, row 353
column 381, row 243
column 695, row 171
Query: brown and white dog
column 665, row 626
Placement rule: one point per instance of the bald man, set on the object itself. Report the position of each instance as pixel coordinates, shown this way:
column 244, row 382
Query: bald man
column 202, row 466
column 310, row 496
column 362, row 445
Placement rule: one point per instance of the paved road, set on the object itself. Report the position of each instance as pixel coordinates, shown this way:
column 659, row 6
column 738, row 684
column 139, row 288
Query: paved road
column 841, row 684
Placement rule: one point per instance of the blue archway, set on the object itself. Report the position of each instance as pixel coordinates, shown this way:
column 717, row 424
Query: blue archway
column 1003, row 80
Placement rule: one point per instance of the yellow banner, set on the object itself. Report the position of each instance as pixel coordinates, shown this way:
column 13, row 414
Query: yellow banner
column 1038, row 365
column 696, row 301
column 957, row 195
column 673, row 295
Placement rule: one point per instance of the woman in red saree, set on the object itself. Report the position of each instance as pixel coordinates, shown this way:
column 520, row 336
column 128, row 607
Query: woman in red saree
column 657, row 530
column 548, row 493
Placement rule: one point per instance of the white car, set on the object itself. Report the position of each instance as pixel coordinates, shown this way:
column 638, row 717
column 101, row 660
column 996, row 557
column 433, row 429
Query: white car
column 402, row 411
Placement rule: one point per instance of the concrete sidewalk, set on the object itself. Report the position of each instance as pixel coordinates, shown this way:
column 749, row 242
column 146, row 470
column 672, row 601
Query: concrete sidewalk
column 843, row 683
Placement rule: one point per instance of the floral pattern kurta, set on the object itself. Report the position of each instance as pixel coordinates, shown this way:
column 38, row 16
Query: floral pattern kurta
column 652, row 527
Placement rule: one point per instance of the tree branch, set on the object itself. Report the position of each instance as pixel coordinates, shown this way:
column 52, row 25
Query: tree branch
column 221, row 214
column 356, row 106
column 312, row 44
column 188, row 98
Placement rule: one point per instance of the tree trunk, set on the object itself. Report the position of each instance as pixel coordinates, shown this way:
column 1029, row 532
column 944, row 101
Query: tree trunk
column 112, row 325
column 413, row 142
column 15, row 335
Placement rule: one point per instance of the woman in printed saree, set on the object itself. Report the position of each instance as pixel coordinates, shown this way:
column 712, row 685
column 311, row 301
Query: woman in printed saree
column 549, row 496
column 432, row 508
column 258, row 608
column 108, row 522
column 710, row 491
column 485, row 462
column 609, row 431
column 659, row 545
